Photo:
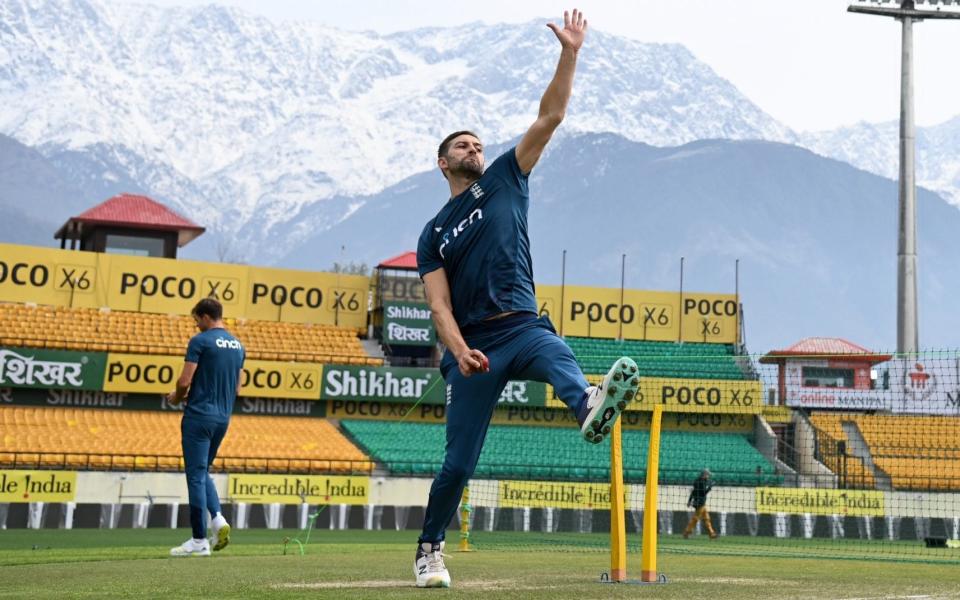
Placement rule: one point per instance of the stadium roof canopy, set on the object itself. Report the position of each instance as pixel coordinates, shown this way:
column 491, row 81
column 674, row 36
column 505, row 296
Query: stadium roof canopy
column 131, row 211
column 407, row 260
column 825, row 347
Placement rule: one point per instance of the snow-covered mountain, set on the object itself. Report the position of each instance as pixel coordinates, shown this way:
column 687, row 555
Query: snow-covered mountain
column 876, row 148
column 267, row 133
column 815, row 237
column 243, row 123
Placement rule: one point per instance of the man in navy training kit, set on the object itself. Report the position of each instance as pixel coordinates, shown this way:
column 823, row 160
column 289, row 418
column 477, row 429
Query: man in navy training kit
column 474, row 259
column 211, row 372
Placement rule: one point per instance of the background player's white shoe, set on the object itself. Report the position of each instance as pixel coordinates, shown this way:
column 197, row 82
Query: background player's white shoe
column 221, row 533
column 606, row 401
column 192, row 547
column 428, row 566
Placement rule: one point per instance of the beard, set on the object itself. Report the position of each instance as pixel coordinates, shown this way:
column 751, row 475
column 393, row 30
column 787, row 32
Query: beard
column 468, row 168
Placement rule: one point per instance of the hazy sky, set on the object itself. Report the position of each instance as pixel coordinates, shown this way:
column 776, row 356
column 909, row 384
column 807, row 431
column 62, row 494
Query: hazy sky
column 808, row 63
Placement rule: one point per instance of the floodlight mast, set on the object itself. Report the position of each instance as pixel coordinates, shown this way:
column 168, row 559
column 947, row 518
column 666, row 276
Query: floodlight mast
column 907, row 13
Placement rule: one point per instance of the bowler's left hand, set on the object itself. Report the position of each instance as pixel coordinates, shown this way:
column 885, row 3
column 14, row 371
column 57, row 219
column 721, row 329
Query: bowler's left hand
column 573, row 32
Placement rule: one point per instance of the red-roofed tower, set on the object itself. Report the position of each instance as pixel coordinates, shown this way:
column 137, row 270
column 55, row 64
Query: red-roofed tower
column 129, row 224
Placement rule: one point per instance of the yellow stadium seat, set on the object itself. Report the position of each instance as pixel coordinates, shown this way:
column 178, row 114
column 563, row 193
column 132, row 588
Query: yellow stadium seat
column 112, row 439
column 123, row 462
column 320, row 465
column 234, row 465
column 76, row 460
column 278, row 465
column 146, row 463
column 299, row 466
column 169, row 463
column 27, row 459
column 52, row 460
column 917, row 452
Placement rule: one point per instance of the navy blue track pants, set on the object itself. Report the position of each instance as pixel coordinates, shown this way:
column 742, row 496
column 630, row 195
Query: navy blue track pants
column 520, row 347
column 200, row 441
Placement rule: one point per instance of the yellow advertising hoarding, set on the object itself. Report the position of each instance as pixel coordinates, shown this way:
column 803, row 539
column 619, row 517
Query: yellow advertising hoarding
column 297, row 489
column 38, row 486
column 307, row 297
column 55, row 277
column 854, row 503
column 729, row 396
column 700, row 395
column 161, row 285
column 168, row 286
column 139, row 373
column 537, row 416
column 267, row 379
column 642, row 315
column 549, row 494
column 152, row 374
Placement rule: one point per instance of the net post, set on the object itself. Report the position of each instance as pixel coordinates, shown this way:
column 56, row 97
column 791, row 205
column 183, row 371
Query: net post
column 618, row 529
column 648, row 572
column 465, row 510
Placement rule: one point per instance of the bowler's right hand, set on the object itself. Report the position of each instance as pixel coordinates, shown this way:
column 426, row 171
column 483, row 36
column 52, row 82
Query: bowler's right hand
column 473, row 361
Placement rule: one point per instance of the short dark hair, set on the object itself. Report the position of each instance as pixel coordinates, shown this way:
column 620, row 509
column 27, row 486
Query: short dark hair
column 445, row 144
column 210, row 307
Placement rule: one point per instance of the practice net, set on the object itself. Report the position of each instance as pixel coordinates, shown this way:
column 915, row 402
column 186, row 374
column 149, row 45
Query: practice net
column 815, row 454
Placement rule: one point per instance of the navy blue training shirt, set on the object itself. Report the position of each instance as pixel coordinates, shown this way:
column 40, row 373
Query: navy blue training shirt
column 480, row 239
column 219, row 357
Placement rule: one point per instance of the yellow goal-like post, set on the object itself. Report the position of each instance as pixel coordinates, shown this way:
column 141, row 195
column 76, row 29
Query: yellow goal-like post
column 648, row 560
column 618, row 535
column 618, row 526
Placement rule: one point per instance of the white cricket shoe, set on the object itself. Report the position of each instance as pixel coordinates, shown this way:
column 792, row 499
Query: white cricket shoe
column 192, row 547
column 221, row 533
column 606, row 401
column 428, row 567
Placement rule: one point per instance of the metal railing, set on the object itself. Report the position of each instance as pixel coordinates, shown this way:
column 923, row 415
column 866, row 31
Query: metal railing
column 75, row 461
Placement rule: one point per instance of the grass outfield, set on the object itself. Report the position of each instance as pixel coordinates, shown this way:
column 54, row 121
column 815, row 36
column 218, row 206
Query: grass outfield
column 128, row 563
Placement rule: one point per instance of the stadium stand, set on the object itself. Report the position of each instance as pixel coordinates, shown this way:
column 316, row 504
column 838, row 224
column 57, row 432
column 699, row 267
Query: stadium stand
column 95, row 439
column 659, row 359
column 93, row 330
column 916, row 452
column 559, row 453
column 853, row 468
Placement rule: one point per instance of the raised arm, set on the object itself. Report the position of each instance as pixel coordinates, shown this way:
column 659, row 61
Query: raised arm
column 553, row 105
column 438, row 297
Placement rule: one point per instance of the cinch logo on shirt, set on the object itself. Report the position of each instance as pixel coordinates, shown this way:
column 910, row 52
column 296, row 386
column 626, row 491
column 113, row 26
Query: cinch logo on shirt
column 458, row 229
column 225, row 343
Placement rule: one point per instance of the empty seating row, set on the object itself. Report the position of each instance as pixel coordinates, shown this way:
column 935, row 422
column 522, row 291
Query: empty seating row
column 660, row 359
column 517, row 452
column 88, row 438
column 917, row 452
column 92, row 330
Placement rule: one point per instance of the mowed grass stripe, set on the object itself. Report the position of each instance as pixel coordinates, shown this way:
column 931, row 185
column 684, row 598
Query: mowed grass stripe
column 357, row 564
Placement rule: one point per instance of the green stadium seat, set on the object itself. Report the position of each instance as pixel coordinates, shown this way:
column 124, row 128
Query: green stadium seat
column 553, row 453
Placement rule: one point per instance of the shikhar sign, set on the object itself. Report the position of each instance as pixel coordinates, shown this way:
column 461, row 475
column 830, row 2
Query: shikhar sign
column 408, row 324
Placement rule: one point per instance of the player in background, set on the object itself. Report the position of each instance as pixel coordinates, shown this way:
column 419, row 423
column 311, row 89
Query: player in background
column 475, row 261
column 698, row 502
column 211, row 376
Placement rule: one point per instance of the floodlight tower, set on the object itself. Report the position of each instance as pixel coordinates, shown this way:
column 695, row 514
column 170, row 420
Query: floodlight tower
column 907, row 13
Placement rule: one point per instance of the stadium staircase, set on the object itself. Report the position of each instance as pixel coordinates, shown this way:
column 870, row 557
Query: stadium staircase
column 917, row 453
